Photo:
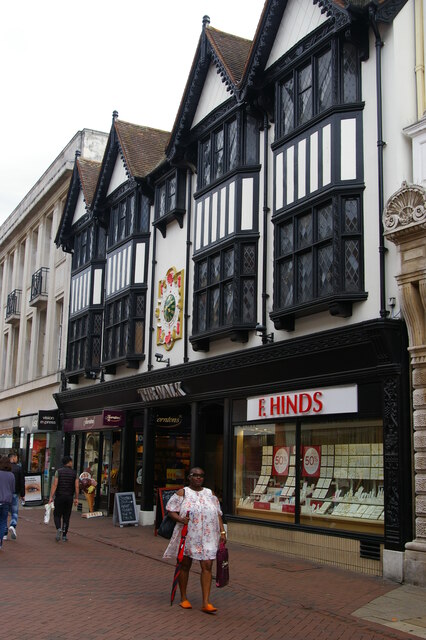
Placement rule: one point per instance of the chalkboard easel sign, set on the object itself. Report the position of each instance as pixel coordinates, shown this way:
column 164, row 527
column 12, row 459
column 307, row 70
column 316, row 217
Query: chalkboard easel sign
column 163, row 496
column 125, row 509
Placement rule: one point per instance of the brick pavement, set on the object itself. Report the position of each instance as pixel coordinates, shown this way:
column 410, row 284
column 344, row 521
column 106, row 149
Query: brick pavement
column 112, row 582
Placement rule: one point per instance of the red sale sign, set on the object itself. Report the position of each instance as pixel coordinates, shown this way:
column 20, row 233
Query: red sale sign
column 280, row 461
column 311, row 461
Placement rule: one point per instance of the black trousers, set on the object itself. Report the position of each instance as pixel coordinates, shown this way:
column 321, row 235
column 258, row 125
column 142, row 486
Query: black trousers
column 62, row 512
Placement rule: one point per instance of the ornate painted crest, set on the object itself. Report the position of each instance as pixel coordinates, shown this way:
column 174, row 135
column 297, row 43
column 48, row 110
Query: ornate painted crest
column 169, row 308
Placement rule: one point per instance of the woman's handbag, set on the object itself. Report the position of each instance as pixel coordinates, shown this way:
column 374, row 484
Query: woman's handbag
column 166, row 528
column 222, row 566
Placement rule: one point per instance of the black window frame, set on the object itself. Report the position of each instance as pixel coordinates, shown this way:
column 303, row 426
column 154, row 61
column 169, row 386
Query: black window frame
column 125, row 219
column 337, row 48
column 342, row 287
column 241, row 276
column 124, row 318
column 209, row 153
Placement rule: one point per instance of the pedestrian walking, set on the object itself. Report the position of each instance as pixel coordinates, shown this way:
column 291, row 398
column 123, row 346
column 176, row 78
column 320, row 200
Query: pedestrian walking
column 205, row 531
column 19, row 492
column 65, row 484
column 7, row 489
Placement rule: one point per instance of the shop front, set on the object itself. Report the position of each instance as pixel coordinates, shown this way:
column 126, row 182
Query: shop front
column 95, row 445
column 306, row 442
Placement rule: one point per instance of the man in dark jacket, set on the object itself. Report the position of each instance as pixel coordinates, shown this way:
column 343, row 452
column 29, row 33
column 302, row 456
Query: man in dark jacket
column 7, row 487
column 18, row 472
column 64, row 485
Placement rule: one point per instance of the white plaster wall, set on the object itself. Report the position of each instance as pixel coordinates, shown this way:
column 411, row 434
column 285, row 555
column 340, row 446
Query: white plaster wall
column 80, row 208
column 399, row 111
column 300, row 18
column 171, row 252
column 118, row 175
column 214, row 93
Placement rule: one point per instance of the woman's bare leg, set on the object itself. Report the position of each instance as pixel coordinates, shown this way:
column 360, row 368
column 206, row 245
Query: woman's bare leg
column 183, row 576
column 206, row 580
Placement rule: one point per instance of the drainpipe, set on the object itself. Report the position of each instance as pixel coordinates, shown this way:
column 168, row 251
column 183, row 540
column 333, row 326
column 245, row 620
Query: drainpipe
column 265, row 217
column 187, row 262
column 420, row 65
column 380, row 144
column 151, row 315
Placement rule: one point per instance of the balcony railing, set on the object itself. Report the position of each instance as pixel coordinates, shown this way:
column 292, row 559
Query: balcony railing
column 39, row 286
column 13, row 306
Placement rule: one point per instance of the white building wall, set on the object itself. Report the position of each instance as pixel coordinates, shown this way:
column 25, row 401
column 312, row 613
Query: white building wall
column 31, row 364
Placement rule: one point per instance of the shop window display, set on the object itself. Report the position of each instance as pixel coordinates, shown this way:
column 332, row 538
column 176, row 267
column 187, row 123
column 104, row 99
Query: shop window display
column 336, row 481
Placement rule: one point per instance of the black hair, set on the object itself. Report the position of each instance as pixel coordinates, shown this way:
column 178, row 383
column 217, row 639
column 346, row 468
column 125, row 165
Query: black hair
column 66, row 460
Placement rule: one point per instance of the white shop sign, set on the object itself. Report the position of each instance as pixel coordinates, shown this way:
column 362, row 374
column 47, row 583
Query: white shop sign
column 309, row 402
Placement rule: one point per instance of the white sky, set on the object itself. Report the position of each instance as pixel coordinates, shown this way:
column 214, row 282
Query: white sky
column 66, row 66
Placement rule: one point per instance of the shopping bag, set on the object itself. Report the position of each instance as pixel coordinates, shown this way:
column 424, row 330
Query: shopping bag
column 222, row 566
column 166, row 527
column 48, row 508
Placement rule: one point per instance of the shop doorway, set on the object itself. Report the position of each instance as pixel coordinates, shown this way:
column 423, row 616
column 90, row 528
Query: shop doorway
column 99, row 453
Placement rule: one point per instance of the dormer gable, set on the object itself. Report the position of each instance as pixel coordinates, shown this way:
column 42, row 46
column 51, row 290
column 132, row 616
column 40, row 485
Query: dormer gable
column 228, row 55
column 132, row 152
column 79, row 199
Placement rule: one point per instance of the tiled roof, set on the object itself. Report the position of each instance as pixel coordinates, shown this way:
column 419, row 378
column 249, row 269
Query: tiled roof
column 231, row 50
column 142, row 147
column 88, row 171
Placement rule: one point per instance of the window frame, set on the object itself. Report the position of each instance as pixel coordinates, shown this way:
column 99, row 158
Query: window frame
column 338, row 49
column 338, row 239
column 236, row 279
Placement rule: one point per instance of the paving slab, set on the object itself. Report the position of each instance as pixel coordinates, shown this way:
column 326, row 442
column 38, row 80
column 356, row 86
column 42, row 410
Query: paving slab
column 111, row 581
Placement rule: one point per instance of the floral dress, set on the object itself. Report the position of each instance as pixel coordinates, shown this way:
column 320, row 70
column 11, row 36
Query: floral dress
column 202, row 540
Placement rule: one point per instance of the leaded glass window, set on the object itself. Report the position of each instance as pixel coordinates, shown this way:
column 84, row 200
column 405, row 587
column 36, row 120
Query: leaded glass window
column 350, row 73
column 219, row 153
column 124, row 327
column 225, row 288
column 328, row 78
column 306, row 241
column 324, row 81
column 304, row 95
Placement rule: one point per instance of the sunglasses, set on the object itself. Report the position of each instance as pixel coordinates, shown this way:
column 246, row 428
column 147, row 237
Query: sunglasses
column 197, row 475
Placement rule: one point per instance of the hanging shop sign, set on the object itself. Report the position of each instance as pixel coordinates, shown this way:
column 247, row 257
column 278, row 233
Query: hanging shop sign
column 48, row 420
column 113, row 418
column 310, row 402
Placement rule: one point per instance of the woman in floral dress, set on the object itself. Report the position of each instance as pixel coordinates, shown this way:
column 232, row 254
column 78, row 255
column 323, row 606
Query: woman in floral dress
column 205, row 531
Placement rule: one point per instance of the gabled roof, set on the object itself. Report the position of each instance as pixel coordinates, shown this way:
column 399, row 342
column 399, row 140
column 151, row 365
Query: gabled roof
column 229, row 53
column 84, row 178
column 88, row 171
column 140, row 148
column 340, row 12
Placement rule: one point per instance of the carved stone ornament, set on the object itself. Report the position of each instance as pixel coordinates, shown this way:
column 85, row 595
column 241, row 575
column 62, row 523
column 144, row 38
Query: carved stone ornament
column 407, row 207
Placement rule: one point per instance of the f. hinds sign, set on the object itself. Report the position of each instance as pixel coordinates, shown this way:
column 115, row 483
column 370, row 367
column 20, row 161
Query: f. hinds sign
column 310, row 402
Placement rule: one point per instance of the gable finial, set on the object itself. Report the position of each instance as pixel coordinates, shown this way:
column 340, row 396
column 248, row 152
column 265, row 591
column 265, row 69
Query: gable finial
column 114, row 115
column 206, row 21
column 77, row 153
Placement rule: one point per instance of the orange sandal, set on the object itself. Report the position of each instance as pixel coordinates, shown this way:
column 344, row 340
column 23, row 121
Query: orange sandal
column 209, row 609
column 185, row 604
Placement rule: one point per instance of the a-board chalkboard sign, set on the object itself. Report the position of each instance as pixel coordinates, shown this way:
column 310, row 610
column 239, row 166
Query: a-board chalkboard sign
column 163, row 496
column 125, row 509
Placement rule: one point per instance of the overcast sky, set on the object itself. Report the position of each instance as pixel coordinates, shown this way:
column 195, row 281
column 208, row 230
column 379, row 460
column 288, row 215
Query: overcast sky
column 66, row 66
